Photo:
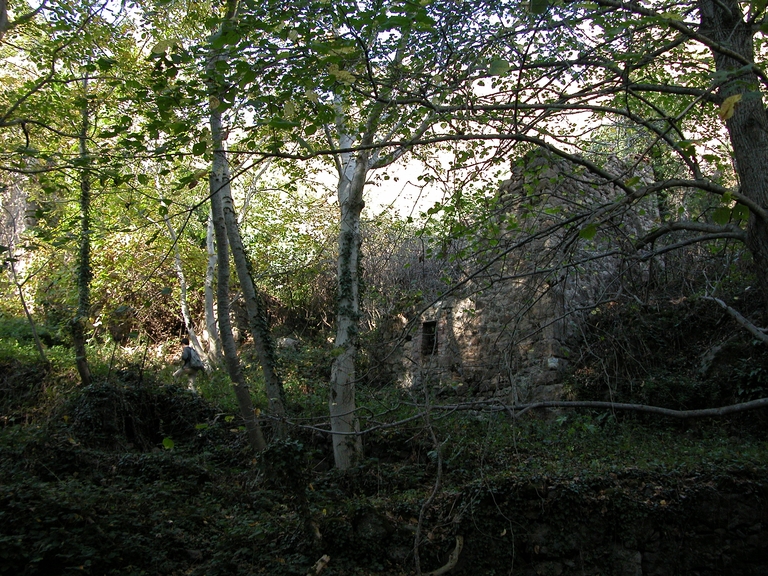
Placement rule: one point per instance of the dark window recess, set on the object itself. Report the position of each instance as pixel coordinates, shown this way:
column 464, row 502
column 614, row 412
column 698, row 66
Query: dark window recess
column 428, row 338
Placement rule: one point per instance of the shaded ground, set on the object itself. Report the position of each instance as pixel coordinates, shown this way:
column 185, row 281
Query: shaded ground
column 132, row 476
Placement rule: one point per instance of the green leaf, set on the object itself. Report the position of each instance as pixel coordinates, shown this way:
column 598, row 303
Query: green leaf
column 168, row 444
column 539, row 6
column 740, row 212
column 163, row 45
column 396, row 21
column 199, row 148
column 721, row 215
column 106, row 63
column 588, row 232
column 282, row 123
column 498, row 67
column 142, row 178
column 304, row 144
column 165, row 291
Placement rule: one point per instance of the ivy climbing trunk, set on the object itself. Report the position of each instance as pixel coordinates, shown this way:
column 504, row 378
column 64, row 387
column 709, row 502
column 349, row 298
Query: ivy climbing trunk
column 733, row 50
column 84, row 272
column 345, row 425
column 353, row 168
column 254, row 305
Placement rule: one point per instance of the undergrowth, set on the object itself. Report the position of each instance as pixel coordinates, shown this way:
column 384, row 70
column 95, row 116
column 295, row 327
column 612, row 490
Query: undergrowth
column 137, row 475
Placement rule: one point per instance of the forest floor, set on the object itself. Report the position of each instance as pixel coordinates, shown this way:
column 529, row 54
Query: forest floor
column 136, row 475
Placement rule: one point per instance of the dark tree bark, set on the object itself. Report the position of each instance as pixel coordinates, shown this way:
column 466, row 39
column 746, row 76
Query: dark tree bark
column 723, row 22
column 257, row 318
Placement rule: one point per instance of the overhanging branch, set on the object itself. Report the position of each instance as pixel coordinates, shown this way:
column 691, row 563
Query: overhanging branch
column 730, row 231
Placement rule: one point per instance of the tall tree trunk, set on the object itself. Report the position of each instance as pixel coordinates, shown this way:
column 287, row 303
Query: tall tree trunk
column 257, row 318
column 218, row 180
column 722, row 21
column 255, row 434
column 84, row 272
column 347, row 445
column 211, row 327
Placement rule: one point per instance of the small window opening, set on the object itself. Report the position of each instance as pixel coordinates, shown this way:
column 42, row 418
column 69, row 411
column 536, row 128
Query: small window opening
column 428, row 338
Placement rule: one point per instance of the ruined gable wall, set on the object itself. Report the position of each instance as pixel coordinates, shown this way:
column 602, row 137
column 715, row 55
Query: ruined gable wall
column 517, row 326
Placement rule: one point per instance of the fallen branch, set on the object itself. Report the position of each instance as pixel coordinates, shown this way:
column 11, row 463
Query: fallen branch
column 435, row 488
column 754, row 330
column 519, row 410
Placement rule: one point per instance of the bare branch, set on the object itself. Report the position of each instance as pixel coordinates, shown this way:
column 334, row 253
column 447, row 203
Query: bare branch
column 730, row 230
column 686, row 30
column 689, row 242
column 680, row 414
column 758, row 333
column 517, row 410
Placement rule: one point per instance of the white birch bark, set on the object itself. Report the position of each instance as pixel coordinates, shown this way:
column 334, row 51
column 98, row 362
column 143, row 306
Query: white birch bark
column 183, row 301
column 234, row 369
column 347, row 445
column 211, row 326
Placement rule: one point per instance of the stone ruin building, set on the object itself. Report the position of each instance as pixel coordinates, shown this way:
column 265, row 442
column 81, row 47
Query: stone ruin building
column 515, row 327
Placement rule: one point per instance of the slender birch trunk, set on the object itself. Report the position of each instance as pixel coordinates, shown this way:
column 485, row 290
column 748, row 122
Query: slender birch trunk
column 218, row 177
column 183, row 302
column 211, row 327
column 27, row 313
column 228, row 233
column 257, row 318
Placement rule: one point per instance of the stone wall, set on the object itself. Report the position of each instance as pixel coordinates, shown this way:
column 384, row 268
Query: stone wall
column 515, row 327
